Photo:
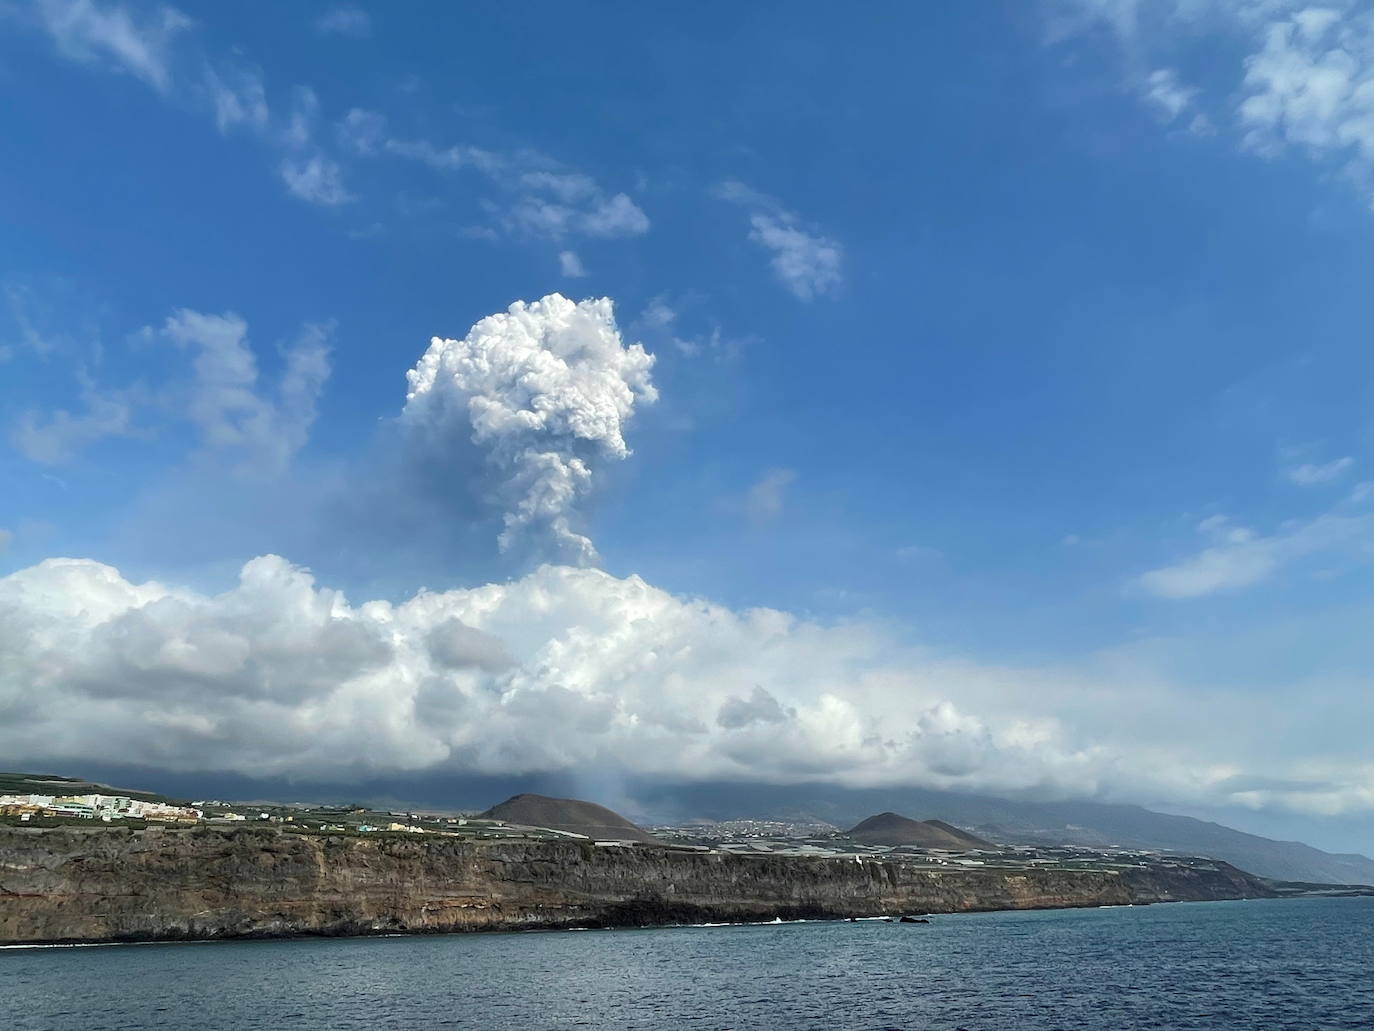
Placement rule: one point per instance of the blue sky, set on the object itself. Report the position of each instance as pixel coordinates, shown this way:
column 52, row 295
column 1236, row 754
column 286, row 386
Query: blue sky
column 1023, row 342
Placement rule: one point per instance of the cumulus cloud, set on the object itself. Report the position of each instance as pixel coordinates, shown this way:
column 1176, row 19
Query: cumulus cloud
column 1311, row 85
column 565, row 667
column 545, row 391
column 805, row 261
column 572, row 669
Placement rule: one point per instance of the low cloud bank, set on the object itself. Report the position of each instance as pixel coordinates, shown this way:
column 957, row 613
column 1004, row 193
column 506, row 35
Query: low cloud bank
column 561, row 669
column 573, row 670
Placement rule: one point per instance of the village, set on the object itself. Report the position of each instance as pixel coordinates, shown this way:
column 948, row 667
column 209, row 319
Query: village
column 745, row 838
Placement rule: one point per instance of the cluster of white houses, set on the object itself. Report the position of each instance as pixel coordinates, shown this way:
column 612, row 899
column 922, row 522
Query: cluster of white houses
column 95, row 807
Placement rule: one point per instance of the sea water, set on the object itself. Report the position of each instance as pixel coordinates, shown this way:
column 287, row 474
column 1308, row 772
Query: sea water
column 1260, row 965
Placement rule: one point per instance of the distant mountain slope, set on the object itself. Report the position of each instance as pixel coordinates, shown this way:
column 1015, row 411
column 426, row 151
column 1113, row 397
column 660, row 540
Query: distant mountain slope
column 1011, row 821
column 52, row 784
column 892, row 829
column 959, row 834
column 567, row 814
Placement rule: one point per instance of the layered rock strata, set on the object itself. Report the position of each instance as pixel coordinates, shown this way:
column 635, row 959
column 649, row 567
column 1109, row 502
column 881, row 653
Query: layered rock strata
column 117, row 884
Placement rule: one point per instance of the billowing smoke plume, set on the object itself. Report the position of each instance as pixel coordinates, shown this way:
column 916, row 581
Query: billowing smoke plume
column 545, row 391
column 569, row 669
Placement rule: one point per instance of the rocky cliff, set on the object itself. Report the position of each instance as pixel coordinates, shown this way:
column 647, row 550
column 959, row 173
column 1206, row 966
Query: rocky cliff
column 117, row 884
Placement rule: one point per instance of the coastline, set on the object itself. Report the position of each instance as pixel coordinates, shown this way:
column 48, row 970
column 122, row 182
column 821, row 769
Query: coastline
column 101, row 885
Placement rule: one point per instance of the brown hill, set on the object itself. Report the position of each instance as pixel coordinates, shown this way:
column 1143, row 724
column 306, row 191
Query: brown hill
column 567, row 814
column 892, row 829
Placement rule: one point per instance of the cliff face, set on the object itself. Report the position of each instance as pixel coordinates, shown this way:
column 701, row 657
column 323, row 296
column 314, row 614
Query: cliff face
column 113, row 884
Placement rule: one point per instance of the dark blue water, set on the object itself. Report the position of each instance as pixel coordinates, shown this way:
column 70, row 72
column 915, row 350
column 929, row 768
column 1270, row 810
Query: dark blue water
column 1264, row 965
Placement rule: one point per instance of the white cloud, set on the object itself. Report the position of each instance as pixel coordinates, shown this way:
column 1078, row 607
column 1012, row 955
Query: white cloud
column 1310, row 474
column 1168, row 96
column 1214, row 569
column 361, row 131
column 1306, row 84
column 764, row 500
column 1311, row 85
column 805, row 261
column 562, row 668
column 614, row 216
column 111, row 34
column 1239, row 557
column 316, row 179
column 659, row 324
column 574, row 669
column 571, row 265
column 344, row 21
column 151, row 43
column 219, row 393
column 545, row 390
column 57, row 436
column 541, row 201
column 594, row 216
column 448, row 158
column 238, row 97
column 224, row 400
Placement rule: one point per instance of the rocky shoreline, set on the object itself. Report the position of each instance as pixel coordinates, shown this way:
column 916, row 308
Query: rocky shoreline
column 111, row 884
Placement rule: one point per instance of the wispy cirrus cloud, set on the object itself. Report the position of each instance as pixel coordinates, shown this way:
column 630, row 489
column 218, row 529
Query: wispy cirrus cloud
column 1238, row 557
column 217, row 391
column 806, row 261
column 1311, row 474
column 1303, row 83
column 345, row 20
column 137, row 41
column 535, row 195
column 160, row 46
column 56, row 436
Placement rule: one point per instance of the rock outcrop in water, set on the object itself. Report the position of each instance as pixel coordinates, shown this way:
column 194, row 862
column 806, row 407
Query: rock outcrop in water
column 117, row 884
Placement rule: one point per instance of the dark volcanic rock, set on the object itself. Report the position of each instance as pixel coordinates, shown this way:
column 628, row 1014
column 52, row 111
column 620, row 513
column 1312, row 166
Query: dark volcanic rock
column 567, row 814
column 892, row 829
column 119, row 884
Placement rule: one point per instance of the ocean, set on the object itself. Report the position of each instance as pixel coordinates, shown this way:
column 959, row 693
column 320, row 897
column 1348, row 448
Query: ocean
column 1262, row 965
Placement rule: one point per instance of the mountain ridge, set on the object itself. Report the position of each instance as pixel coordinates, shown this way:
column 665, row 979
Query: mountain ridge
column 1015, row 821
